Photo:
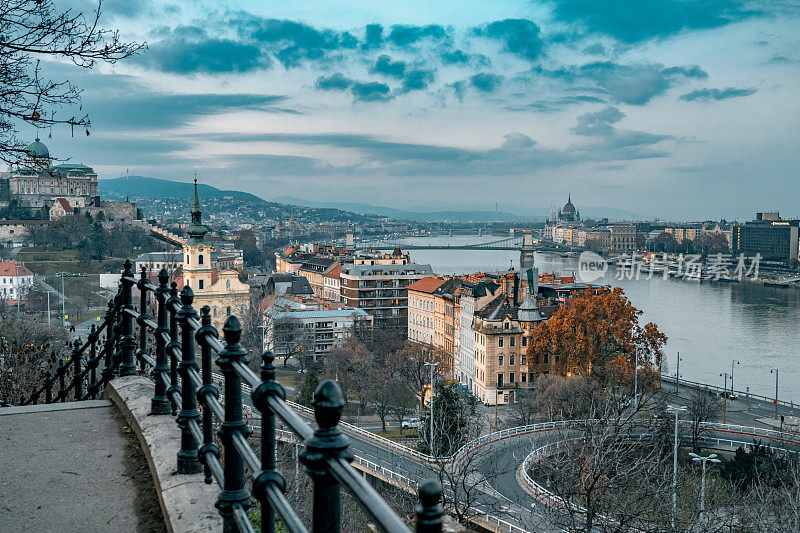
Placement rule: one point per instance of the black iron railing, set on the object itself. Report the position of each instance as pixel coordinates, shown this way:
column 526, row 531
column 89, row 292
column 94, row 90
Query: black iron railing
column 181, row 385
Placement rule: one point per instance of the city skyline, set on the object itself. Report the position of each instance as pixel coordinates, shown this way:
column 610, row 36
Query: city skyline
column 686, row 115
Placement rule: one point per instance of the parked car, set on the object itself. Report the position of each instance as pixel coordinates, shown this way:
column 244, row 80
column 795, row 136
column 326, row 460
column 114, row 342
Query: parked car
column 411, row 423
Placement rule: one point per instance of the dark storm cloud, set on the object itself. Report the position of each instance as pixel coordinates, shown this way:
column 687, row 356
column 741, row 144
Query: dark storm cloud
column 406, row 35
column 708, row 95
column 598, row 123
column 519, row 37
column 388, row 67
column 188, row 49
column 371, row 91
column 334, row 82
column 637, row 21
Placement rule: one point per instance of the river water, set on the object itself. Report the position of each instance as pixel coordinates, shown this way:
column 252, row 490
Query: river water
column 710, row 324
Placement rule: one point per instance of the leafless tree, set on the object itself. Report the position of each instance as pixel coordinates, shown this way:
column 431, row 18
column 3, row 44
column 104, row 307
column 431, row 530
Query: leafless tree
column 28, row 348
column 33, row 30
column 704, row 407
column 606, row 473
column 410, row 361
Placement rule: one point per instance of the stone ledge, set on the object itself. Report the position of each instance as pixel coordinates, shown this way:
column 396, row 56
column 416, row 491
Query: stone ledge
column 187, row 502
column 48, row 407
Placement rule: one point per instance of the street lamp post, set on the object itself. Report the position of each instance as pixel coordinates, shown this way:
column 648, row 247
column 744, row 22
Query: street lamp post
column 675, row 409
column 775, row 371
column 432, row 365
column 703, row 460
column 732, row 363
column 725, row 398
column 635, row 380
column 677, row 373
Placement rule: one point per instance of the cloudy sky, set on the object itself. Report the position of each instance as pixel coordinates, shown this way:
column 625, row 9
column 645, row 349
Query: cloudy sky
column 665, row 108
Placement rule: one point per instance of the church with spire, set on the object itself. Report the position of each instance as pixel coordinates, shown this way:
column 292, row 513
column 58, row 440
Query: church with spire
column 218, row 288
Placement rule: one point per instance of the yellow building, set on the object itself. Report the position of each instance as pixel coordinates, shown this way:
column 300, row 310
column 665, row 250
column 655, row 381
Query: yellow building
column 220, row 289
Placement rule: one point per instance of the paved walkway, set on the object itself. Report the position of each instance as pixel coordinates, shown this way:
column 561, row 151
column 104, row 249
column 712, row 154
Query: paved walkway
column 73, row 467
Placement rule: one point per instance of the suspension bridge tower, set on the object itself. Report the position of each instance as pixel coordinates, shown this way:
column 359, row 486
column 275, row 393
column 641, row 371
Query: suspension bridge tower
column 526, row 251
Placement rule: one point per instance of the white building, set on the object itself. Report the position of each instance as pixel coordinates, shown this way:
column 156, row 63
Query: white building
column 312, row 332
column 15, row 281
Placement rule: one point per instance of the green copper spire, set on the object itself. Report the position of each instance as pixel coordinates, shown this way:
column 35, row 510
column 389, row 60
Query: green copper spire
column 196, row 229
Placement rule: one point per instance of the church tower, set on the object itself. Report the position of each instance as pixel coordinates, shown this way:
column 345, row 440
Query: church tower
column 197, row 271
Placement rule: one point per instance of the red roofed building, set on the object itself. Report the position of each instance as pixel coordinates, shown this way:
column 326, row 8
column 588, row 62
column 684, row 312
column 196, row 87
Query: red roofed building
column 332, row 284
column 61, row 208
column 422, row 309
column 15, row 281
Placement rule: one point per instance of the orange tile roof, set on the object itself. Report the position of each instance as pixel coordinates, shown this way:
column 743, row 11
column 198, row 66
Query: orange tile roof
column 428, row 284
column 12, row 268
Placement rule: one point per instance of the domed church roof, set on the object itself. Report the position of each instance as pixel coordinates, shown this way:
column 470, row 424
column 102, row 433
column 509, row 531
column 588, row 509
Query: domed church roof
column 38, row 149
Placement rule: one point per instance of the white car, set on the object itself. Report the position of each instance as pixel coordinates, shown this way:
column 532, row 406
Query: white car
column 411, row 423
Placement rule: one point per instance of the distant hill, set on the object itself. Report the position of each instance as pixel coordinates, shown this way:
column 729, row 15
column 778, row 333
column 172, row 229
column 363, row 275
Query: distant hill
column 399, row 214
column 159, row 188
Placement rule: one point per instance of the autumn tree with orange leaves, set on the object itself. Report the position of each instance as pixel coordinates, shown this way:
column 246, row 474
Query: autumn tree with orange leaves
column 598, row 334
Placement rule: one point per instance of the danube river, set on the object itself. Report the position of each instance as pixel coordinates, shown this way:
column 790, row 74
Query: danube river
column 710, row 324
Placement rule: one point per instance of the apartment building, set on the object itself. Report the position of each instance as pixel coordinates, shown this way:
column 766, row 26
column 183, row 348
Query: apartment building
column 623, row 238
column 381, row 290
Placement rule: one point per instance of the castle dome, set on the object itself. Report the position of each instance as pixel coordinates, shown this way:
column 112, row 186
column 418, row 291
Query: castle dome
column 37, row 149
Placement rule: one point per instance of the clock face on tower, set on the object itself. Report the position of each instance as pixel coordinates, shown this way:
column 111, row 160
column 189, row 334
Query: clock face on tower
column 200, row 249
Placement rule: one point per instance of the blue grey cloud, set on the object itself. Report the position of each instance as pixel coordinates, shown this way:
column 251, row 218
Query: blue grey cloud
column 634, row 84
column 334, row 82
column 417, row 80
column 519, row 37
column 486, row 82
column 708, row 95
column 388, row 67
column 189, row 49
column 373, row 36
column 632, row 21
column 371, row 91
column 598, row 123
column 406, row 35
column 293, row 42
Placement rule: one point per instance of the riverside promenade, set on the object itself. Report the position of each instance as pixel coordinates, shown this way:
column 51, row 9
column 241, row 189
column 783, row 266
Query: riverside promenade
column 73, row 467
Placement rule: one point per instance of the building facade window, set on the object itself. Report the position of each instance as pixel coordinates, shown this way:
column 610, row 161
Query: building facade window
column 499, row 342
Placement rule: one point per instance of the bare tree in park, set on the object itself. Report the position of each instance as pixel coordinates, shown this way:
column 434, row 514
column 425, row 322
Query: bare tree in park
column 36, row 30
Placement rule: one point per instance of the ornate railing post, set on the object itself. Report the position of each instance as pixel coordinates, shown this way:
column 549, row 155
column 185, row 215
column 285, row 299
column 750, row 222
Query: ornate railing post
column 159, row 403
column 234, row 491
column 108, row 370
column 127, row 342
column 269, row 473
column 328, row 442
column 93, row 361
column 62, row 381
column 77, row 369
column 207, row 390
column 48, row 387
column 187, row 455
column 142, row 286
column 429, row 513
column 117, row 330
column 172, row 303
